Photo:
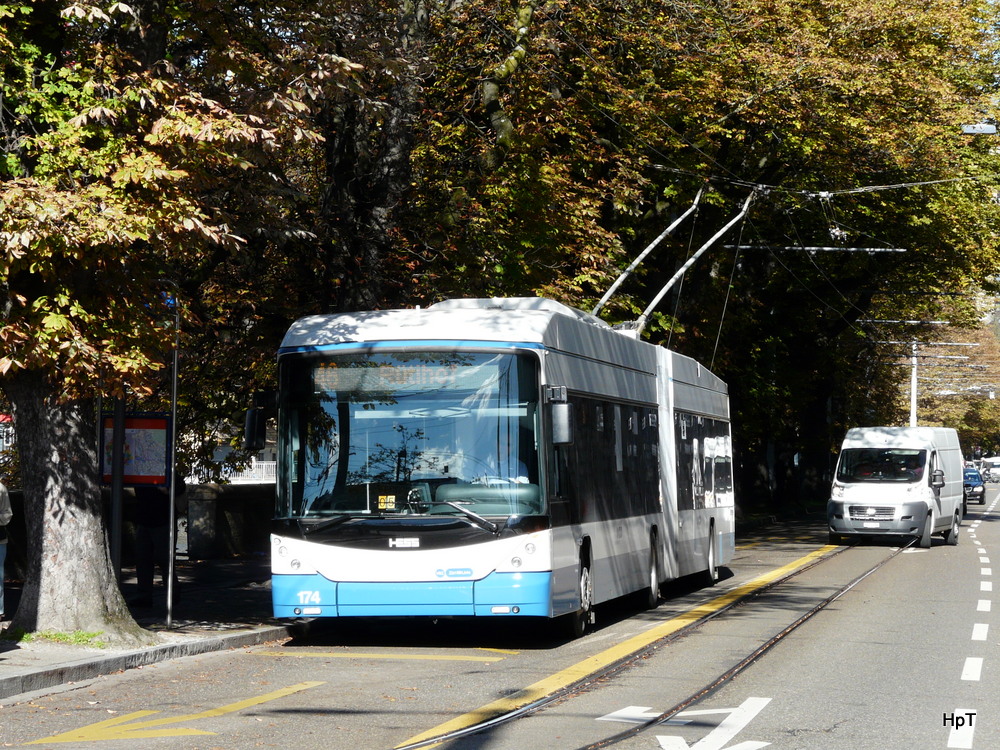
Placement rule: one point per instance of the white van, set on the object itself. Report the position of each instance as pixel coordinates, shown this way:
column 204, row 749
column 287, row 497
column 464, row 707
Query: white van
column 904, row 481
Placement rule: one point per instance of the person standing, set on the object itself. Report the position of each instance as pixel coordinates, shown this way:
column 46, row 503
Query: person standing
column 152, row 534
column 5, row 516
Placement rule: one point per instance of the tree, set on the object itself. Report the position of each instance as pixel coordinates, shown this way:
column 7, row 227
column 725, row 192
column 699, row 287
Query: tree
column 257, row 162
column 113, row 184
column 561, row 138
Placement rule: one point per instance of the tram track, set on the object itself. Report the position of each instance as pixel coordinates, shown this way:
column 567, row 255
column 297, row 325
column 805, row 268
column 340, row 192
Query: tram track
column 587, row 683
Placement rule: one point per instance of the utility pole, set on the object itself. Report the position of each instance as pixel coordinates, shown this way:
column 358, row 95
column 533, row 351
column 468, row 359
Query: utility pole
column 915, row 357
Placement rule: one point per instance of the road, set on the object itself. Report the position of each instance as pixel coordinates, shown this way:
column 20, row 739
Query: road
column 907, row 657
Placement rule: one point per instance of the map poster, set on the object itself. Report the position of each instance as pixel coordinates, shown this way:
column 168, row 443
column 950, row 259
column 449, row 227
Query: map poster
column 147, row 449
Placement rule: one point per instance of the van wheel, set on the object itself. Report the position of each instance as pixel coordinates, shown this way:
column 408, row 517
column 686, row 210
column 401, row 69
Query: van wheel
column 925, row 538
column 835, row 539
column 952, row 536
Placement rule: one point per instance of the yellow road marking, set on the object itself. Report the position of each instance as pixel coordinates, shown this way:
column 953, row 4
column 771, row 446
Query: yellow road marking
column 117, row 729
column 361, row 655
column 606, row 658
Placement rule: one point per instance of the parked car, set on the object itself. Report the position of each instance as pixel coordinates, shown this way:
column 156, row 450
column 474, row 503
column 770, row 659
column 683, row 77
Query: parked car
column 990, row 469
column 974, row 489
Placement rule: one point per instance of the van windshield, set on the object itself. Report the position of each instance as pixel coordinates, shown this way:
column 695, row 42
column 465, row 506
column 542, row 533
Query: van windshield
column 881, row 465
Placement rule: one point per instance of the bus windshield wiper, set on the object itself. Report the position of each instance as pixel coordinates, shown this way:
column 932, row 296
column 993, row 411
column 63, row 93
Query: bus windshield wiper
column 484, row 522
column 322, row 525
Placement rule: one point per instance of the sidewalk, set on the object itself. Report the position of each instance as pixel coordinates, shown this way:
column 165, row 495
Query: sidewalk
column 218, row 605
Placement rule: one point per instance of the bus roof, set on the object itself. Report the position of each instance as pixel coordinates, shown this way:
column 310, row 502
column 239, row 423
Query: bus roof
column 517, row 321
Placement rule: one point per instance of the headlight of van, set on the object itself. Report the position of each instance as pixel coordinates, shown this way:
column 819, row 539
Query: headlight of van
column 837, row 492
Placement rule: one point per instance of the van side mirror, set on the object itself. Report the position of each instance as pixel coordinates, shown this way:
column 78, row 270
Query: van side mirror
column 937, row 479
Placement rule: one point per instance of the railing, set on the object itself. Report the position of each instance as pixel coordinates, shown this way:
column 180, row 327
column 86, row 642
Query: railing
column 259, row 472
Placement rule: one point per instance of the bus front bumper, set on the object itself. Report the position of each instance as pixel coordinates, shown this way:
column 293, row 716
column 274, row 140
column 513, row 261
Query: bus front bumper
column 496, row 595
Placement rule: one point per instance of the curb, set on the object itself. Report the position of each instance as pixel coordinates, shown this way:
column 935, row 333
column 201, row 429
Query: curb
column 88, row 669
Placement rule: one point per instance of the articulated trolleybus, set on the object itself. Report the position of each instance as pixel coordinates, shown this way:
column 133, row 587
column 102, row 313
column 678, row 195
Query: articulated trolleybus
column 492, row 458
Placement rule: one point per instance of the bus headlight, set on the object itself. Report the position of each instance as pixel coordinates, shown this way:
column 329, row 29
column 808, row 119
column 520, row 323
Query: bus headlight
column 515, row 562
column 530, row 548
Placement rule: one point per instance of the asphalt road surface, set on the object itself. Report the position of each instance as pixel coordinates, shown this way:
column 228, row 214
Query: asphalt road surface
column 905, row 658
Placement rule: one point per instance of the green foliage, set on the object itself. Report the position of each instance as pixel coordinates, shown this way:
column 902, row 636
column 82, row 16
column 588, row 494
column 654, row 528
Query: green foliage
column 261, row 162
column 76, row 638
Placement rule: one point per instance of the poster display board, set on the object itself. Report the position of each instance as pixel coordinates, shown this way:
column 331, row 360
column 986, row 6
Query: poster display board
column 147, row 449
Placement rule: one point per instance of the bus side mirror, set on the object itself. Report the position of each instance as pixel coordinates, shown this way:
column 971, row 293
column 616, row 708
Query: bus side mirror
column 937, row 479
column 255, row 428
column 562, row 423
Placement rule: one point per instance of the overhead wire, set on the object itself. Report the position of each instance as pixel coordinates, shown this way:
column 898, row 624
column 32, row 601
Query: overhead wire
column 684, row 139
column 734, row 179
column 822, row 272
column 729, row 177
column 809, row 289
column 680, row 290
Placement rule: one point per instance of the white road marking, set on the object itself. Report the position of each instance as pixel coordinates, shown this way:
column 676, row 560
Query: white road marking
column 984, row 605
column 973, row 669
column 642, row 714
column 960, row 738
column 980, row 631
column 729, row 727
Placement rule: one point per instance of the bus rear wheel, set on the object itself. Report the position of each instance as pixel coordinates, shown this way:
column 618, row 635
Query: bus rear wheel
column 711, row 574
column 651, row 596
column 580, row 620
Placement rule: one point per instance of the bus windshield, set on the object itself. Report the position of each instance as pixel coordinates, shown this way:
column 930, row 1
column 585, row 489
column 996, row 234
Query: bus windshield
column 404, row 433
column 881, row 465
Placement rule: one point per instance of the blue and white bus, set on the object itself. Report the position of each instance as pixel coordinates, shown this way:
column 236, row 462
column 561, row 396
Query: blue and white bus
column 492, row 458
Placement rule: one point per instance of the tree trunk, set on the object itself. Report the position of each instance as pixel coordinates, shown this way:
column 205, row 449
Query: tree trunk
column 368, row 170
column 70, row 583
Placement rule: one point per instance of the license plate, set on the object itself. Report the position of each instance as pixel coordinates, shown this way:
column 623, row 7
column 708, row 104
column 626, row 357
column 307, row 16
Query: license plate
column 872, row 525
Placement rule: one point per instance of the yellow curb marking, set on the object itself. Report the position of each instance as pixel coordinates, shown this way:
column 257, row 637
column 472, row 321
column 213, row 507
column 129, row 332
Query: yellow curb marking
column 117, row 729
column 391, row 656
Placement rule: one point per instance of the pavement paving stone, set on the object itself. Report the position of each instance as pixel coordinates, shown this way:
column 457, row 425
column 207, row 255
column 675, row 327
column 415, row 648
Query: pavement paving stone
column 217, row 605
